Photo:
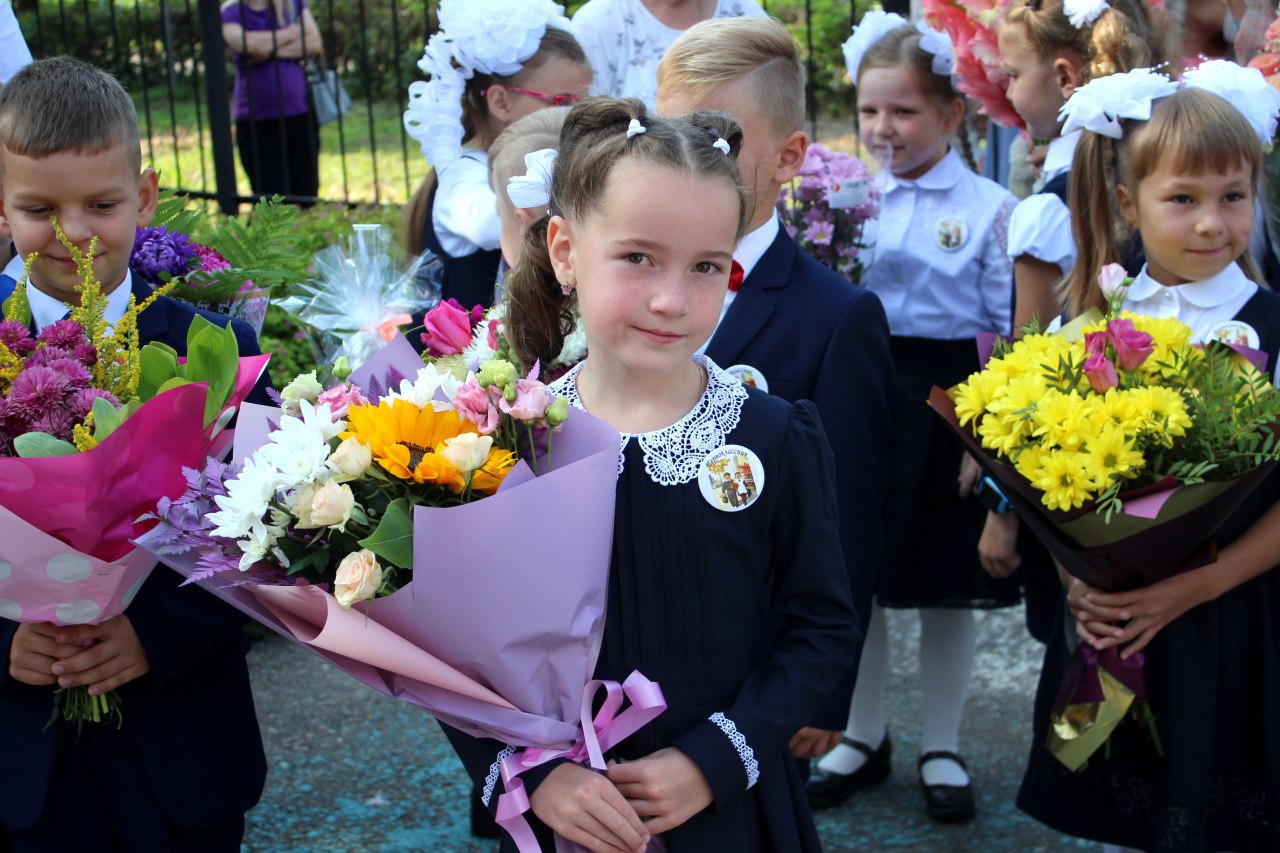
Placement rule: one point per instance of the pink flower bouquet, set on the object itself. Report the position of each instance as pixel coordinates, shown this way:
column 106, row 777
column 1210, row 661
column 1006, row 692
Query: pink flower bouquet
column 972, row 25
column 827, row 207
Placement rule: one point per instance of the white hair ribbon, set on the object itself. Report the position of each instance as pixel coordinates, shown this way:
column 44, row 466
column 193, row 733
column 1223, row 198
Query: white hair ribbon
column 721, row 144
column 636, row 128
column 874, row 25
column 1082, row 13
column 938, row 45
column 489, row 36
column 1100, row 104
column 1246, row 89
column 533, row 188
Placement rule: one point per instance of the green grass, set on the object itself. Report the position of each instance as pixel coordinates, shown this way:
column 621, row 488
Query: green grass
column 184, row 157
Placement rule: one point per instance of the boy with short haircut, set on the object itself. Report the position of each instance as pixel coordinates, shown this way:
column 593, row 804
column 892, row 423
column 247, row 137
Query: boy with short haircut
column 187, row 762
column 800, row 329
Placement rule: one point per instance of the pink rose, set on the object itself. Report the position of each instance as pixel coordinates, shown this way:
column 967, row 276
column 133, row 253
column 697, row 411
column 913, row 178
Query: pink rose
column 340, row 398
column 472, row 402
column 531, row 402
column 494, row 327
column 448, row 329
column 1132, row 347
column 1111, row 279
column 1101, row 373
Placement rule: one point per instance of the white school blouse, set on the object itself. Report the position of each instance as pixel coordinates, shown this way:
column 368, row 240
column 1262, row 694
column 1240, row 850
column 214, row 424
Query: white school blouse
column 1041, row 223
column 465, row 213
column 625, row 42
column 940, row 264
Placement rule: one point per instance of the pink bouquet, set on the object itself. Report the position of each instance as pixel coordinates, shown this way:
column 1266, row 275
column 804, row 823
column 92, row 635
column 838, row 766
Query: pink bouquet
column 827, row 207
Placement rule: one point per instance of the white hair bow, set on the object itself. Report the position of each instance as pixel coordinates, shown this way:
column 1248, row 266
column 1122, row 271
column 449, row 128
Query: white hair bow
column 636, row 128
column 533, row 188
column 1100, row 104
column 1082, row 13
column 938, row 45
column 722, row 145
column 1244, row 88
column 873, row 27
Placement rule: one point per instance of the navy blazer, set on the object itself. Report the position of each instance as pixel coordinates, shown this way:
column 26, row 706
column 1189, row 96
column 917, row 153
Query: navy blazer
column 817, row 337
column 192, row 715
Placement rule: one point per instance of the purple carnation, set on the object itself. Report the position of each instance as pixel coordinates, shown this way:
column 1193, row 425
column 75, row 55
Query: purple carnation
column 36, row 391
column 64, row 333
column 82, row 401
column 77, row 374
column 158, row 251
column 57, row 422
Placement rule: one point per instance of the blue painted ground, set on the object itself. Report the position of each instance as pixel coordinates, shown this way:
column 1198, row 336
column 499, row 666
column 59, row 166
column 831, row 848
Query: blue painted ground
column 354, row 771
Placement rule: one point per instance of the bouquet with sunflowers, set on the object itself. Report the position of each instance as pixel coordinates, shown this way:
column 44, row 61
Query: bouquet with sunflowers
column 1124, row 447
column 395, row 524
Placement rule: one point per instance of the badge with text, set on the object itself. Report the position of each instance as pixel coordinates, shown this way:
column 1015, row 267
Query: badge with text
column 952, row 234
column 749, row 376
column 731, row 478
column 1235, row 332
column 847, row 193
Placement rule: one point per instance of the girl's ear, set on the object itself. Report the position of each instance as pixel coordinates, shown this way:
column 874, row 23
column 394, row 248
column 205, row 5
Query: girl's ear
column 498, row 99
column 560, row 248
column 1068, row 75
column 953, row 115
column 1128, row 205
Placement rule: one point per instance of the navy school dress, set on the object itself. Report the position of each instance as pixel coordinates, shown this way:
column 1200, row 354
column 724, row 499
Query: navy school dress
column 1214, row 680
column 189, row 752
column 741, row 617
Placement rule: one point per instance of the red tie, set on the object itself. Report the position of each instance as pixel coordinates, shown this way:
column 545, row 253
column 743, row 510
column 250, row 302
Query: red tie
column 735, row 277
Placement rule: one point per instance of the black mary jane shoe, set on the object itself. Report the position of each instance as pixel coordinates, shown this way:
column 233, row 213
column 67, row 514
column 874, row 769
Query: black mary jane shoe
column 947, row 803
column 826, row 789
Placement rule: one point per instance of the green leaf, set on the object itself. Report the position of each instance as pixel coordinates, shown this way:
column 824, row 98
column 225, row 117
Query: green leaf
column 393, row 540
column 106, row 418
column 34, row 445
column 159, row 364
column 317, row 557
column 213, row 357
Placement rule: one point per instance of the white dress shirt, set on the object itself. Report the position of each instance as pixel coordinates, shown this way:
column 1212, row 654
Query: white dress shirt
column 940, row 264
column 45, row 310
column 751, row 249
column 1041, row 224
column 465, row 212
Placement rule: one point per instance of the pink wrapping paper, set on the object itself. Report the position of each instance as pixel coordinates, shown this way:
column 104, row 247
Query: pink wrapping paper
column 66, row 523
column 495, row 599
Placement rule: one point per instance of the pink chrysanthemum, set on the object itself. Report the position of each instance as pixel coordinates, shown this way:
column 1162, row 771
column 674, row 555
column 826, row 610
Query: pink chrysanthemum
column 46, row 355
column 87, row 354
column 211, row 259
column 64, row 333
column 82, row 401
column 77, row 374
column 36, row 391
column 56, row 422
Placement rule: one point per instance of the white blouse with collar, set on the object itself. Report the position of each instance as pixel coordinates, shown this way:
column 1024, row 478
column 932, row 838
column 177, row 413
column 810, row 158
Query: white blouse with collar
column 1041, row 224
column 1202, row 305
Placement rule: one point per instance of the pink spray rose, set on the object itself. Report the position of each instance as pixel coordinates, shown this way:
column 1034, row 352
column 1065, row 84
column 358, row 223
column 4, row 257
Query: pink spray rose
column 1095, row 343
column 1132, row 347
column 340, row 398
column 1101, row 373
column 473, row 403
column 1111, row 279
column 448, row 329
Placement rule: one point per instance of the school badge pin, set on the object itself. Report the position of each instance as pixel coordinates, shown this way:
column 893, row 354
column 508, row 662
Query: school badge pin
column 1235, row 332
column 749, row 376
column 952, row 234
column 731, row 478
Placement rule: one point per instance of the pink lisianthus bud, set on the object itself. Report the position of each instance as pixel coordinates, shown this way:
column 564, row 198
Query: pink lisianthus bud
column 530, row 403
column 1095, row 343
column 340, row 398
column 448, row 329
column 1112, row 279
column 1132, row 347
column 494, row 328
column 472, row 402
column 1101, row 373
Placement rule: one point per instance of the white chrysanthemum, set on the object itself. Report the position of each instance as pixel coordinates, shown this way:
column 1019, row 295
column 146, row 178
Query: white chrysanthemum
column 1244, row 88
column 874, row 25
column 247, row 500
column 425, row 389
column 575, row 347
column 479, row 351
column 299, row 449
column 1100, row 104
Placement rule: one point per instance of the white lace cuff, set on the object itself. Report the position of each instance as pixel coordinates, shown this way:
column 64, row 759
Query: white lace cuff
column 745, row 753
column 495, row 769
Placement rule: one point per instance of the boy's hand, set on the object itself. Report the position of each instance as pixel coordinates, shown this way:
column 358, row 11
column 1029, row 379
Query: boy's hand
column 114, row 656
column 998, row 546
column 34, row 651
column 586, row 808
column 666, row 788
column 814, row 743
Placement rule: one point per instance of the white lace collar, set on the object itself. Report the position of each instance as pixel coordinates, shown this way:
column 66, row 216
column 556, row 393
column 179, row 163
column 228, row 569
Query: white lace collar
column 673, row 454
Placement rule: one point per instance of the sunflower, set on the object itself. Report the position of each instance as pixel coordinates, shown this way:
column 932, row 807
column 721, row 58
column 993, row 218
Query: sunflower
column 404, row 440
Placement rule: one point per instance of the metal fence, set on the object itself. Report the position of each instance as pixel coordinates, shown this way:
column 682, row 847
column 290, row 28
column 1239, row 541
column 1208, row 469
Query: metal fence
column 171, row 57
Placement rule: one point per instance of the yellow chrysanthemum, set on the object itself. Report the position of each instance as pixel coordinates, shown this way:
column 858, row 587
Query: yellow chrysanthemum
column 1166, row 411
column 974, row 395
column 1119, row 408
column 1028, row 461
column 1001, row 434
column 404, row 440
column 1064, row 480
column 1061, row 420
column 1111, row 454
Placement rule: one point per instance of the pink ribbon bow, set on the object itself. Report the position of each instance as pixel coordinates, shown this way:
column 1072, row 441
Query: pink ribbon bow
column 390, row 327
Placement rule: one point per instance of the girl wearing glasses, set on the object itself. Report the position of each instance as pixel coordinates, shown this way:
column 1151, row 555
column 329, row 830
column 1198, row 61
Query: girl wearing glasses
column 471, row 97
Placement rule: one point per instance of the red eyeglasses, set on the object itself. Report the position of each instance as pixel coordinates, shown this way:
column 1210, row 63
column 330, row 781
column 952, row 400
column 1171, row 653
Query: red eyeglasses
column 557, row 100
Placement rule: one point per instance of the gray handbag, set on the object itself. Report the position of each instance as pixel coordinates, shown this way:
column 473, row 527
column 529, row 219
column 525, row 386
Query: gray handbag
column 328, row 95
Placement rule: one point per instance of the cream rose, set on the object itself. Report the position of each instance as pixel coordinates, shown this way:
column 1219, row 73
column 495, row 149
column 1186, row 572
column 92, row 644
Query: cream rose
column 468, row 451
column 302, row 505
column 358, row 578
column 350, row 460
column 331, row 506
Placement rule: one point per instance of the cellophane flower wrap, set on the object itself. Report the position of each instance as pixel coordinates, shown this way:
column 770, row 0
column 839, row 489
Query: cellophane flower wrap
column 234, row 270
column 827, row 207
column 359, row 296
column 973, row 26
column 1124, row 447
column 94, row 429
column 406, row 542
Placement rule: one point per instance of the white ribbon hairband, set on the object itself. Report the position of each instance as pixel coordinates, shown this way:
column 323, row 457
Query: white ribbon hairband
column 533, row 188
column 636, row 128
column 721, row 144
column 1082, row 13
column 938, row 45
column 1103, row 102
column 874, row 25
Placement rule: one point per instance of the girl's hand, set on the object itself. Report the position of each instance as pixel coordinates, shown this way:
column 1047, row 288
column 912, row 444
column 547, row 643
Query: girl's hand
column 114, row 656
column 814, row 743
column 998, row 547
column 968, row 476
column 586, row 808
column 666, row 788
column 34, row 651
column 1144, row 612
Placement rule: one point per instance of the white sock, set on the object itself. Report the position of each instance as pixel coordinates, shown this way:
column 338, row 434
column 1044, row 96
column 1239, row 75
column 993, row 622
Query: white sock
column 866, row 715
column 948, row 641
